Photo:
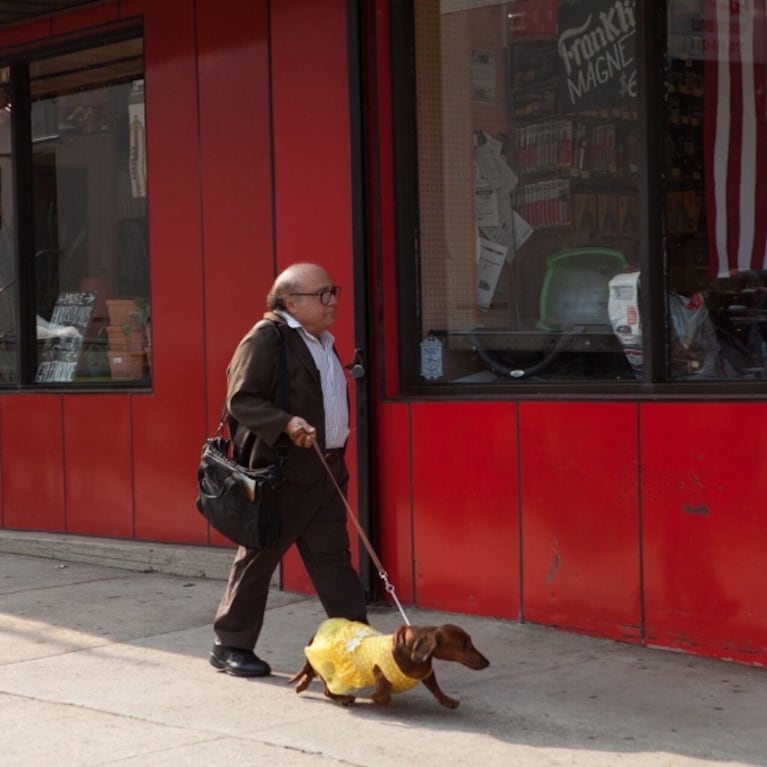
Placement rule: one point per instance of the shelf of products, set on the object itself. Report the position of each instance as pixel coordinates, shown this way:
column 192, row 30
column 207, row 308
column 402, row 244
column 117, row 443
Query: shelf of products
column 576, row 168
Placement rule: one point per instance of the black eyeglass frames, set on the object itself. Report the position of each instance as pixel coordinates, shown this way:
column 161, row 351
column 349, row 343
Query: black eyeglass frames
column 324, row 295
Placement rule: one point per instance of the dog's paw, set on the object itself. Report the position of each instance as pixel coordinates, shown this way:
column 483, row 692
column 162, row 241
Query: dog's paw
column 449, row 702
column 303, row 677
column 302, row 682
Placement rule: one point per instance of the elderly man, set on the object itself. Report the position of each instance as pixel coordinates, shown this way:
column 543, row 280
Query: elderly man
column 301, row 307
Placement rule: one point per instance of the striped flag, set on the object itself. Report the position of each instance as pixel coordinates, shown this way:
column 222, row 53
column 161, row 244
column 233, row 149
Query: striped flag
column 735, row 135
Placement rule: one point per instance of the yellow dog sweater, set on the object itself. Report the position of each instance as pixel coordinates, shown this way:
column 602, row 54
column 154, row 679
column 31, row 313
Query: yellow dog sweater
column 344, row 653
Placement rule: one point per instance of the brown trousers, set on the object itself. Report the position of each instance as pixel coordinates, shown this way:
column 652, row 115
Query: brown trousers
column 314, row 518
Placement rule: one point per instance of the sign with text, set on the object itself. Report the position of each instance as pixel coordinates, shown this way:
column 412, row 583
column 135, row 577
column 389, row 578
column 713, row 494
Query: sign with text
column 597, row 51
column 61, row 351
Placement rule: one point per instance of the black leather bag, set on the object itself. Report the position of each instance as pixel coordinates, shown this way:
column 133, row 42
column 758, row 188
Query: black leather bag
column 238, row 502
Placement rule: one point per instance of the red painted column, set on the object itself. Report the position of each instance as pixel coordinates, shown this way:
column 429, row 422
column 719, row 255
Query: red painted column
column 312, row 165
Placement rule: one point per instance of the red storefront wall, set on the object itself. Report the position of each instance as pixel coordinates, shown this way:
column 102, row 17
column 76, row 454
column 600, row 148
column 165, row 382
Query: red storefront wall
column 111, row 463
column 638, row 521
column 643, row 522
column 122, row 464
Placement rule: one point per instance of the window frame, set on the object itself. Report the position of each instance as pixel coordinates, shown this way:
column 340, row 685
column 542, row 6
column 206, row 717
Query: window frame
column 655, row 384
column 18, row 59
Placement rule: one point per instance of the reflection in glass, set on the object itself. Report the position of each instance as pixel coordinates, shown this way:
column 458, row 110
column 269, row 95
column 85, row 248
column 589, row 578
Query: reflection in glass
column 90, row 222
column 8, row 286
column 527, row 144
column 716, row 166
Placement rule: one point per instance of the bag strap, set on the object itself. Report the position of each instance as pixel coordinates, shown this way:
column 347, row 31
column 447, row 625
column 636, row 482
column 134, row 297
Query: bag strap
column 283, row 396
column 283, row 392
column 222, row 422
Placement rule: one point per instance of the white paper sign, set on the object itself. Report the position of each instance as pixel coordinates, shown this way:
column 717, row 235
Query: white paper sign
column 431, row 358
column 483, row 75
column 491, row 257
column 486, row 205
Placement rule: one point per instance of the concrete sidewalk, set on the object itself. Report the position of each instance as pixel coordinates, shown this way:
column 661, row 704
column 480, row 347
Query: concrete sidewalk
column 104, row 666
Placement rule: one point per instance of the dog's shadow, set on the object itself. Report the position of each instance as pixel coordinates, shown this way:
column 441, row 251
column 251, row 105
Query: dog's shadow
column 550, row 689
column 414, row 707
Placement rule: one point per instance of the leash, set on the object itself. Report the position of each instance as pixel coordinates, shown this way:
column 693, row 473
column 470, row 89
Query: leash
column 376, row 561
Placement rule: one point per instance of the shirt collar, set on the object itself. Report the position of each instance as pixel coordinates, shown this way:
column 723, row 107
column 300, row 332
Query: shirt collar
column 292, row 322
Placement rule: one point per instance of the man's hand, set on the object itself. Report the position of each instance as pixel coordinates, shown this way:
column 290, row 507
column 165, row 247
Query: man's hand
column 300, row 432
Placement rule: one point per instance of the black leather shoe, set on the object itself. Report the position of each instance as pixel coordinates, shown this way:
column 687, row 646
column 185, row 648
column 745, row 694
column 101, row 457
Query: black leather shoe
column 238, row 662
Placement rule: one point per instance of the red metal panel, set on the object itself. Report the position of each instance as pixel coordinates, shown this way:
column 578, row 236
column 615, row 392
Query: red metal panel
column 465, row 507
column 18, row 34
column 391, row 487
column 98, row 465
column 82, row 18
column 579, row 517
column 705, row 536
column 312, row 199
column 236, row 171
column 169, row 425
column 311, row 134
column 32, row 462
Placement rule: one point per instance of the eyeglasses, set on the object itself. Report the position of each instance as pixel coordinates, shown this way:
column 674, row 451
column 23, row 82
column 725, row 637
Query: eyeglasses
column 324, row 295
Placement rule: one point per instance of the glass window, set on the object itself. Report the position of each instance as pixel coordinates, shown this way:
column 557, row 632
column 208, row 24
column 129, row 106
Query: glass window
column 82, row 247
column 716, row 170
column 527, row 161
column 8, row 287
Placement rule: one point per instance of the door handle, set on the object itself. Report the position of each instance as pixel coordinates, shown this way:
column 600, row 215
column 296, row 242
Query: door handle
column 356, row 367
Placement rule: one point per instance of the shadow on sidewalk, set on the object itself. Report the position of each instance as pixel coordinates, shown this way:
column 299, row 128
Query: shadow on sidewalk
column 544, row 689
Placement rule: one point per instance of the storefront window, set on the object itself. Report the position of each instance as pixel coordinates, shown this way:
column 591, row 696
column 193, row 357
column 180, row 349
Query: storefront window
column 528, row 158
column 83, row 257
column 8, row 288
column 716, row 170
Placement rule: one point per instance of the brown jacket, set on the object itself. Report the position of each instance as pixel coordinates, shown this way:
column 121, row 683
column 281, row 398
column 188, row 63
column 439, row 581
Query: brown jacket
column 253, row 397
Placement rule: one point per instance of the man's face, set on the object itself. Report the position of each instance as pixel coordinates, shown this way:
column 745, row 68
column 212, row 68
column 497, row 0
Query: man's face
column 308, row 309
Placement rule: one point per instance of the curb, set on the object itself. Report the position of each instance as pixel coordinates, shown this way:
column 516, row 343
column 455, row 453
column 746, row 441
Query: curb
column 165, row 558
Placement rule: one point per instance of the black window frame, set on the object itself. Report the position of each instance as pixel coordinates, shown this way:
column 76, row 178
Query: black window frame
column 17, row 59
column 651, row 59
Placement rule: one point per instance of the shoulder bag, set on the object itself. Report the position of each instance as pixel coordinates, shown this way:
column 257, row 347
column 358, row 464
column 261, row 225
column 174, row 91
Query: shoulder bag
column 238, row 502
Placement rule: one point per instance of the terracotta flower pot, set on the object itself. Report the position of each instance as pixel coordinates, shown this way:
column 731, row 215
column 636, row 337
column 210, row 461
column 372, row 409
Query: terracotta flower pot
column 123, row 311
column 125, row 338
column 126, row 365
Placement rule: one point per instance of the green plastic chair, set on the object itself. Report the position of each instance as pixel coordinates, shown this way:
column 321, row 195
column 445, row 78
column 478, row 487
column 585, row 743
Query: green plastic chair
column 575, row 289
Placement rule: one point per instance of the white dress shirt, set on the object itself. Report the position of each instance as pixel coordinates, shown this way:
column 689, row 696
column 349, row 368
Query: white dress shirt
column 332, row 381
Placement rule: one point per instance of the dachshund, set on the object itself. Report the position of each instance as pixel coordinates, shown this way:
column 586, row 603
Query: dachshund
column 348, row 656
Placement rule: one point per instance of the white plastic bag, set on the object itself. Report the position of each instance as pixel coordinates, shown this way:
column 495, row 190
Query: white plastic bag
column 623, row 310
column 694, row 345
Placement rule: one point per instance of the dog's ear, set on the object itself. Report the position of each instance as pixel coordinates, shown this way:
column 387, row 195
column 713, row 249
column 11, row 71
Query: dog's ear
column 424, row 646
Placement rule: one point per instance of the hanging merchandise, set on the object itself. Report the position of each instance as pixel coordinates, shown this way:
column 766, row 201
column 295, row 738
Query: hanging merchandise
column 137, row 156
